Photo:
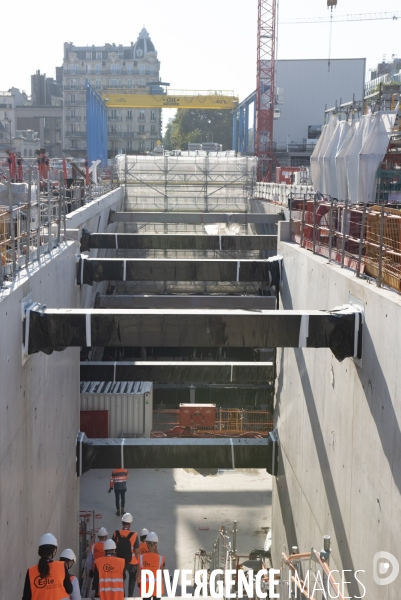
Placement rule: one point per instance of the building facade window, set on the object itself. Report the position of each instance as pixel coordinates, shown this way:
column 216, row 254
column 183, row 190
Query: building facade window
column 141, row 128
column 141, row 115
column 98, row 56
column 88, row 55
column 129, row 67
column 142, row 69
column 88, row 69
column 97, row 83
column 73, row 68
column 72, row 99
column 113, row 82
column 129, row 115
column 114, row 68
column 129, row 83
column 142, row 83
column 152, row 129
column 129, row 144
column 152, row 115
column 98, row 68
column 151, row 69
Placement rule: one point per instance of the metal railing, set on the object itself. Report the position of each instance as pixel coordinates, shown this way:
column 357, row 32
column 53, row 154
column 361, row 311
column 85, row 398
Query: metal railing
column 365, row 239
column 225, row 556
column 33, row 222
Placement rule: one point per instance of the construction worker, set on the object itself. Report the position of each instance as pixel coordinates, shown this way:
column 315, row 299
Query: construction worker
column 68, row 556
column 49, row 579
column 97, row 550
column 127, row 543
column 118, row 481
column 151, row 561
column 143, row 547
column 108, row 577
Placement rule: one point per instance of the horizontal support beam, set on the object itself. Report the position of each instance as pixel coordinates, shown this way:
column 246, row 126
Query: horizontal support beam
column 179, row 453
column 181, row 301
column 178, row 241
column 55, row 329
column 193, row 218
column 178, row 371
column 189, row 353
column 92, row 270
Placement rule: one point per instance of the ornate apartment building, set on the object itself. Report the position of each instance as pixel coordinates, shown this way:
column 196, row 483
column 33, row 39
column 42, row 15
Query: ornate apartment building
column 110, row 67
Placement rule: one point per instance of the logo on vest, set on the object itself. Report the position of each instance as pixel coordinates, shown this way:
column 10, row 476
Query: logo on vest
column 42, row 582
column 107, row 568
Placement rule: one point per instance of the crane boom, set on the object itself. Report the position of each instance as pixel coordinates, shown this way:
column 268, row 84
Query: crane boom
column 180, row 99
column 340, row 18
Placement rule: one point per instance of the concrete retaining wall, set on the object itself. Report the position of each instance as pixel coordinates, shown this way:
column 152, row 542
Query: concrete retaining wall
column 39, row 411
column 339, row 428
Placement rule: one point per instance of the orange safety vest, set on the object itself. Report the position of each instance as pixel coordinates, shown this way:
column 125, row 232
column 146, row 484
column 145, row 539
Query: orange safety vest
column 125, row 533
column 111, row 577
column 98, row 550
column 118, row 476
column 50, row 587
column 152, row 562
column 143, row 548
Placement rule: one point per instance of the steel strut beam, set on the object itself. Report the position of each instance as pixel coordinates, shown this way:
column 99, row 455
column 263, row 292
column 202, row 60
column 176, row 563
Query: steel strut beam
column 174, row 269
column 196, row 453
column 193, row 218
column 178, row 371
column 178, row 241
column 340, row 330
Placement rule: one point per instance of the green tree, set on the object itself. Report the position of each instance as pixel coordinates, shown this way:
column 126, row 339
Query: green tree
column 191, row 126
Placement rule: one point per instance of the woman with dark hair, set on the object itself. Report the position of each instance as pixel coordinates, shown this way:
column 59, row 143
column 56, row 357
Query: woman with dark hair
column 48, row 580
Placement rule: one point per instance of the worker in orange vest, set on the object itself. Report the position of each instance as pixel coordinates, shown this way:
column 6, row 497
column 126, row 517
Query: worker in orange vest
column 97, row 550
column 152, row 561
column 143, row 547
column 108, row 579
column 127, row 542
column 69, row 558
column 49, row 579
column 118, row 481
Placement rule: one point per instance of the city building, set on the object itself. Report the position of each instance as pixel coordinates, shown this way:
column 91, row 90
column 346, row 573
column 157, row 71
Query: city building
column 111, row 67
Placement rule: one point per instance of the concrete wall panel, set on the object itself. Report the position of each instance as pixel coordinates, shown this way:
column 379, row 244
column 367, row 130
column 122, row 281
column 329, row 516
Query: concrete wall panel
column 339, row 427
column 39, row 416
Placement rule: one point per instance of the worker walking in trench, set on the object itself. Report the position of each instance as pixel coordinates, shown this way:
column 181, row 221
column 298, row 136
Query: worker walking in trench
column 151, row 561
column 97, row 550
column 118, row 481
column 49, row 579
column 127, row 543
column 108, row 577
column 143, row 547
column 69, row 558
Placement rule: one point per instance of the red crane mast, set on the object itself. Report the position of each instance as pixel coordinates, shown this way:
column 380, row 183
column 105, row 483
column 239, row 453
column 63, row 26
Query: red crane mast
column 265, row 88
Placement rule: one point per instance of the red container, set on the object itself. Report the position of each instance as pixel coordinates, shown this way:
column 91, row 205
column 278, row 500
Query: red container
column 198, row 415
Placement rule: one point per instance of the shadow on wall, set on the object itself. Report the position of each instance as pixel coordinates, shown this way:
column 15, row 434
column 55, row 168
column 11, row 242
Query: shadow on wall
column 382, row 409
column 331, row 494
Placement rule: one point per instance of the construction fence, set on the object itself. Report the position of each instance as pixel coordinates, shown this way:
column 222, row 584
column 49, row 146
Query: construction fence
column 228, row 422
column 366, row 239
column 33, row 219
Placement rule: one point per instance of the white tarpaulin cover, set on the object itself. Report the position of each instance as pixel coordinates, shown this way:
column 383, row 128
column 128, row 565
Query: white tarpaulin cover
column 347, row 156
column 329, row 159
column 341, row 171
column 372, row 154
column 352, row 157
column 317, row 158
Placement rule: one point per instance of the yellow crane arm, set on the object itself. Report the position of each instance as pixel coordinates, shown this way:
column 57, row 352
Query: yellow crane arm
column 201, row 100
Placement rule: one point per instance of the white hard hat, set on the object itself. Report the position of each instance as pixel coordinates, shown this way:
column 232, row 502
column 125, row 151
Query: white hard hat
column 127, row 518
column 48, row 539
column 152, row 537
column 144, row 532
column 102, row 532
column 109, row 545
column 69, row 554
